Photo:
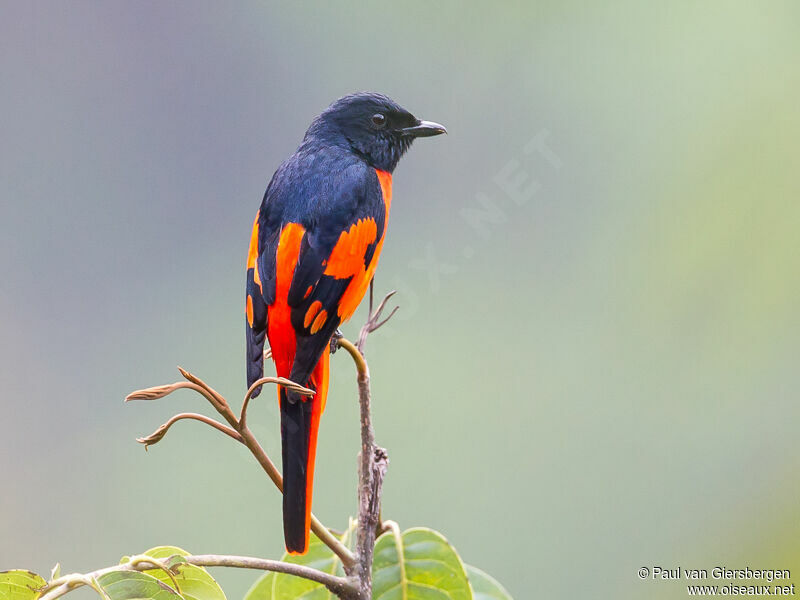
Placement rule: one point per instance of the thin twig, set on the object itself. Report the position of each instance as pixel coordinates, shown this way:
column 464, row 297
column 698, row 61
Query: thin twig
column 159, row 391
column 216, row 399
column 358, row 358
column 194, row 379
column 373, row 320
column 194, row 383
column 159, row 433
column 338, row 585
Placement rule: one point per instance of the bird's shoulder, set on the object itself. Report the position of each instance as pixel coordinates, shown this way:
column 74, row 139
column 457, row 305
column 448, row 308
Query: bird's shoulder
column 321, row 186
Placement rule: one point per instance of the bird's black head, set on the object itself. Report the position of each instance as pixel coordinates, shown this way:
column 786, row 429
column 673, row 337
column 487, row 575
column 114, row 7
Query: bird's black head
column 372, row 126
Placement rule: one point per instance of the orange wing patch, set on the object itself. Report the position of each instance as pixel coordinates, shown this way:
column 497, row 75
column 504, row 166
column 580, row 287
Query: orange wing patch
column 252, row 253
column 249, row 310
column 358, row 285
column 312, row 312
column 347, row 258
column 256, row 276
column 319, row 321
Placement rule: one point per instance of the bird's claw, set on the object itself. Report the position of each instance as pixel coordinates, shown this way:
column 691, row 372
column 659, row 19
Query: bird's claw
column 337, row 335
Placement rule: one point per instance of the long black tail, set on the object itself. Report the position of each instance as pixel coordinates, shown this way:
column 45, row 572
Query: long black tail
column 296, row 417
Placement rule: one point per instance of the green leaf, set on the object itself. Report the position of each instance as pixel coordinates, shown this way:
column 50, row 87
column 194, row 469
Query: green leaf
column 194, row 583
column 132, row 585
column 485, row 587
column 419, row 565
column 20, row 585
column 279, row 586
column 262, row 588
column 166, row 551
column 320, row 557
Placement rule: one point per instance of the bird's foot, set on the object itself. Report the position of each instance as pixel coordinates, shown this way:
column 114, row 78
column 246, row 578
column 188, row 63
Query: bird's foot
column 337, row 335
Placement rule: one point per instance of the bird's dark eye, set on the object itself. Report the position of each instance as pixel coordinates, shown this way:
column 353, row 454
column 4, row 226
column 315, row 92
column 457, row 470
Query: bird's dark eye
column 378, row 120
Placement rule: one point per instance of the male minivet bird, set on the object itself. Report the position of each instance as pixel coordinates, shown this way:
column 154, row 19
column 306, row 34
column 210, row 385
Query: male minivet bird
column 313, row 251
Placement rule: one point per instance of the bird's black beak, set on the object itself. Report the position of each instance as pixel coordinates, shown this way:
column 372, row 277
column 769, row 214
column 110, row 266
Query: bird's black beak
column 424, row 129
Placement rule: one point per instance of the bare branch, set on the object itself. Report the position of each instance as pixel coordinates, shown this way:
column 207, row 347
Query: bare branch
column 216, row 399
column 358, row 358
column 211, row 391
column 159, row 433
column 194, row 383
column 373, row 320
column 373, row 462
column 338, row 585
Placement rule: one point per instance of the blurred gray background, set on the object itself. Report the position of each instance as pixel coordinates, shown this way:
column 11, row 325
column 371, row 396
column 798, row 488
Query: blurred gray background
column 590, row 374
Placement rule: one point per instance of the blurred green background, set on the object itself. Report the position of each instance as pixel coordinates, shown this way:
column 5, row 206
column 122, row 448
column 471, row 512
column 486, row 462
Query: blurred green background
column 601, row 377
